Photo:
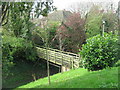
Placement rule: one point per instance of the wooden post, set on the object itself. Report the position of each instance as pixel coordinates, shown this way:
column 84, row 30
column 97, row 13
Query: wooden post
column 59, row 69
column 62, row 64
column 76, row 60
column 72, row 63
column 55, row 57
column 79, row 60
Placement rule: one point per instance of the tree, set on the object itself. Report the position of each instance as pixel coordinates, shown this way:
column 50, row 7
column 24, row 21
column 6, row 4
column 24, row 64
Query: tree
column 80, row 7
column 94, row 21
column 111, row 23
column 71, row 34
column 119, row 28
column 17, row 15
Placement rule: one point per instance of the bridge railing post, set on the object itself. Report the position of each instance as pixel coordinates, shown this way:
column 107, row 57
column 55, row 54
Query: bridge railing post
column 55, row 57
column 62, row 65
column 70, row 63
column 79, row 60
column 73, row 63
column 44, row 53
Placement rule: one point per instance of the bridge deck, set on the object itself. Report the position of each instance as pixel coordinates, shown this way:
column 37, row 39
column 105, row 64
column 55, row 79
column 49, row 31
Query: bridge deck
column 67, row 59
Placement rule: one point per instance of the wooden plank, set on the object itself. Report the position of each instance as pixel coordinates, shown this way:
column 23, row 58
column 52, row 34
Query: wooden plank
column 56, row 56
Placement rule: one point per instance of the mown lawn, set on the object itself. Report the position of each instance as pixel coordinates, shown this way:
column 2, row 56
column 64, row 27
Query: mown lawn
column 79, row 78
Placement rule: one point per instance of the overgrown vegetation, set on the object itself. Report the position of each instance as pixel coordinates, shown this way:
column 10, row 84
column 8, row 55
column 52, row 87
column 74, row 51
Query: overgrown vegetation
column 17, row 32
column 16, row 49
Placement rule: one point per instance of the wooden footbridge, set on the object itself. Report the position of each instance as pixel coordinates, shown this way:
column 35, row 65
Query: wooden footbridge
column 65, row 59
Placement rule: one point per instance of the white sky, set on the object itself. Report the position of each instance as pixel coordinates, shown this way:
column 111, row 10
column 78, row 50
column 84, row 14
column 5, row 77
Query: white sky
column 63, row 4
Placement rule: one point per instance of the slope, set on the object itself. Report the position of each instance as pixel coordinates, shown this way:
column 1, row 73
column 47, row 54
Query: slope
column 79, row 78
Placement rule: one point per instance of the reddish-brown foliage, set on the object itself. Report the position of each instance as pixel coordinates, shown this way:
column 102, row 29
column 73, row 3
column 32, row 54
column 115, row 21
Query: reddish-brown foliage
column 72, row 33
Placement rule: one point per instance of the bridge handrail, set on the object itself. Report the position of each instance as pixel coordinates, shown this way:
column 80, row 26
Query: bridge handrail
column 59, row 57
column 56, row 50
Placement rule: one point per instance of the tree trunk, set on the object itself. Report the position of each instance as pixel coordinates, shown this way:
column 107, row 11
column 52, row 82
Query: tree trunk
column 60, row 42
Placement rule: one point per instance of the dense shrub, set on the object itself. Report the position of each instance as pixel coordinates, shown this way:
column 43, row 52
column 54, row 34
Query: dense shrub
column 117, row 64
column 14, row 49
column 100, row 52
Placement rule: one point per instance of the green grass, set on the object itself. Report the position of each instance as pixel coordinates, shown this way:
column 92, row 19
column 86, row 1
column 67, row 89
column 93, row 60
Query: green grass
column 79, row 78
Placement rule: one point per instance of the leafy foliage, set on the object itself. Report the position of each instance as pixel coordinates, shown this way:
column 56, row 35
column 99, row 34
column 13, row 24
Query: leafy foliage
column 52, row 27
column 117, row 63
column 111, row 21
column 46, row 33
column 100, row 52
column 16, row 49
column 17, row 16
column 93, row 22
column 72, row 33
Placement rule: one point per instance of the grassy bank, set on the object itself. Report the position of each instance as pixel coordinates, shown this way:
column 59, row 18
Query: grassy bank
column 79, row 78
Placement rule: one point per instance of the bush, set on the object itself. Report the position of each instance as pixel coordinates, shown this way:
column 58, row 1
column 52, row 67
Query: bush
column 99, row 52
column 14, row 49
column 117, row 64
column 17, row 48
